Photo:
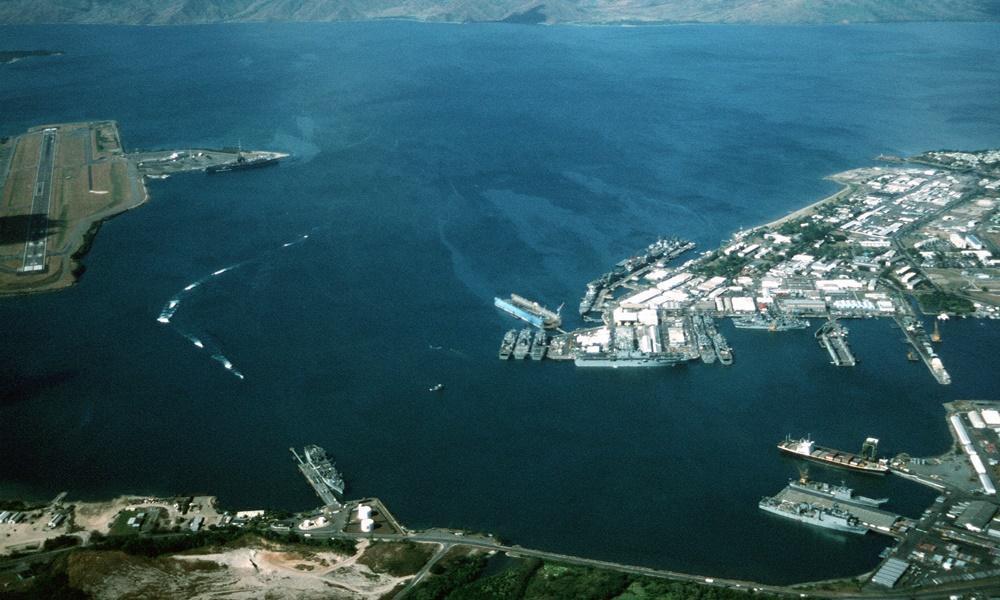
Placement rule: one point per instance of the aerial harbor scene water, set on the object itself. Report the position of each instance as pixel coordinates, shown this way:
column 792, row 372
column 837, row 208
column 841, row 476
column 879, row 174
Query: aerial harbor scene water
column 742, row 282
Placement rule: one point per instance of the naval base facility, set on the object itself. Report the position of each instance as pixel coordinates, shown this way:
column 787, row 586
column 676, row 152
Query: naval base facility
column 954, row 543
column 922, row 229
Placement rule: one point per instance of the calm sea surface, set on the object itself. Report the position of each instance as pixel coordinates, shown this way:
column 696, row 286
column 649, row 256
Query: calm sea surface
column 434, row 167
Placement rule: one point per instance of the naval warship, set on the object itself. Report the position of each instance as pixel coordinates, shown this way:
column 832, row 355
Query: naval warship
column 829, row 518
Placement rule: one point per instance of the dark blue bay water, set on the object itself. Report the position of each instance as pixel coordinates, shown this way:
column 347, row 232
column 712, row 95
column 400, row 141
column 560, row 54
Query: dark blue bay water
column 436, row 166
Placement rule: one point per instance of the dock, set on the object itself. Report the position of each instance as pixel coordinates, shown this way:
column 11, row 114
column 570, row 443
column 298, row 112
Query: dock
column 529, row 311
column 875, row 519
column 917, row 337
column 318, row 474
column 833, row 337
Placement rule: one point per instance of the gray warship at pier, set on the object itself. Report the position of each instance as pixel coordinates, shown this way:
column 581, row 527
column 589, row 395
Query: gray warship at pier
column 321, row 474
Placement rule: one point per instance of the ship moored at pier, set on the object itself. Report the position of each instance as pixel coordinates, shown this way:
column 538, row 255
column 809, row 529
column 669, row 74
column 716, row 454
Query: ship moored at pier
column 865, row 462
column 828, row 518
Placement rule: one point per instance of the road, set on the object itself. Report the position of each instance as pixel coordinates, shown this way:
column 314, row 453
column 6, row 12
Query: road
column 424, row 571
column 451, row 540
column 41, row 202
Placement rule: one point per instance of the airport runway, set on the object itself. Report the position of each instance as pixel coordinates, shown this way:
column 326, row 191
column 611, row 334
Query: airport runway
column 35, row 246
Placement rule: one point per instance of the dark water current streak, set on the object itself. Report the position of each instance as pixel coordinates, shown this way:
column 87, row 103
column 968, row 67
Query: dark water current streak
column 446, row 164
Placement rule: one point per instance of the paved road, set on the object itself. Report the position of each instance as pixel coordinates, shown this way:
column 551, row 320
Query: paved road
column 41, row 201
column 424, row 571
column 790, row 591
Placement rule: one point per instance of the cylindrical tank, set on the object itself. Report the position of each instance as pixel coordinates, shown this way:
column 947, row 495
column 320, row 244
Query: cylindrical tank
column 367, row 525
column 364, row 512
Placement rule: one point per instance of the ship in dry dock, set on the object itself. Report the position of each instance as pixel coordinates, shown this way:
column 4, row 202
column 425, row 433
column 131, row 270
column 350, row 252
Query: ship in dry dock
column 865, row 462
column 529, row 311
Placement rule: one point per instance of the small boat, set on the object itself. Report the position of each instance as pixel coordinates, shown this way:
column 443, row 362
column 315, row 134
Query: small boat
column 436, row 388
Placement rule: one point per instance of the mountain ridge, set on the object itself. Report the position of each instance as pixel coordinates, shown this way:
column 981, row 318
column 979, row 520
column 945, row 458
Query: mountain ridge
column 182, row 12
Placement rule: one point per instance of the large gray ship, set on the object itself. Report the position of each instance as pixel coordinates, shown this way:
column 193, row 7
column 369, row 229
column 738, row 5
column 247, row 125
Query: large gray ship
column 507, row 344
column 523, row 344
column 539, row 346
column 628, row 360
column 834, row 518
column 321, row 474
column 769, row 323
column 838, row 493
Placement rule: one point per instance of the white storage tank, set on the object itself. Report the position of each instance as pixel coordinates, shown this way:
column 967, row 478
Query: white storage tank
column 364, row 512
column 367, row 525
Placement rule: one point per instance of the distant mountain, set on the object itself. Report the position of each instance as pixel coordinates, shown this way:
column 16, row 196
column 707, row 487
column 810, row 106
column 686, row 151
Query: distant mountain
column 170, row 12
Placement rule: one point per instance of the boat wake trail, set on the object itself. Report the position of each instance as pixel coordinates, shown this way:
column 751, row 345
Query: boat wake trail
column 204, row 342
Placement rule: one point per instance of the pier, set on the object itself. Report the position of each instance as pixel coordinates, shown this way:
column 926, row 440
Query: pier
column 913, row 329
column 320, row 473
column 875, row 519
column 833, row 337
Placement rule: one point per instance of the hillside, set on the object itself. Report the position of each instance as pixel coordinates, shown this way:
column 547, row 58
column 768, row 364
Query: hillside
column 169, row 12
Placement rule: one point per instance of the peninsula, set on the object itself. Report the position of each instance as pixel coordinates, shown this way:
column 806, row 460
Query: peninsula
column 59, row 182
column 925, row 228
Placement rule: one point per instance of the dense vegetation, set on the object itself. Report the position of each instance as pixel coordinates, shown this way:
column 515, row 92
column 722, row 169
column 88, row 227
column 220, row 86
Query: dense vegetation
column 398, row 559
column 938, row 302
column 535, row 580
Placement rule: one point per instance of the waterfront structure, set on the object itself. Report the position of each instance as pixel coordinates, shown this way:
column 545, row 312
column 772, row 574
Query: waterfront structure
column 529, row 311
column 321, row 474
column 828, row 518
column 866, row 462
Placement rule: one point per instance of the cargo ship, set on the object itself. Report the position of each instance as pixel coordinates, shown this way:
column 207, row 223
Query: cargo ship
column 834, row 518
column 529, row 311
column 507, row 344
column 866, row 462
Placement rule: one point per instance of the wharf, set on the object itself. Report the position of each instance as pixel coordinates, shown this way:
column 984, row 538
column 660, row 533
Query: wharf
column 918, row 338
column 833, row 338
column 320, row 475
column 875, row 519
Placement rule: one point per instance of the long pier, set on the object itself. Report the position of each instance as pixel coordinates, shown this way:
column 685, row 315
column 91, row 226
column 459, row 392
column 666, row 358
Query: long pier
column 921, row 342
column 875, row 519
column 833, row 337
column 315, row 479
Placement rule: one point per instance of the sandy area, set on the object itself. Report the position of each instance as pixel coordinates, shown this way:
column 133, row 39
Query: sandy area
column 244, row 573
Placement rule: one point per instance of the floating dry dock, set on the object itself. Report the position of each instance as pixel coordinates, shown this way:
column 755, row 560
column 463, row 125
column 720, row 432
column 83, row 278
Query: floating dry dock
column 529, row 311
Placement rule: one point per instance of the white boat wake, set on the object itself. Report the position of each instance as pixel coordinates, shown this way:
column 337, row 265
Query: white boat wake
column 205, row 342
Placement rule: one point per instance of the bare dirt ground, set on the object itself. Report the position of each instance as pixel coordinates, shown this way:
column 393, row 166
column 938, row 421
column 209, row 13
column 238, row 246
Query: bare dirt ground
column 257, row 571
